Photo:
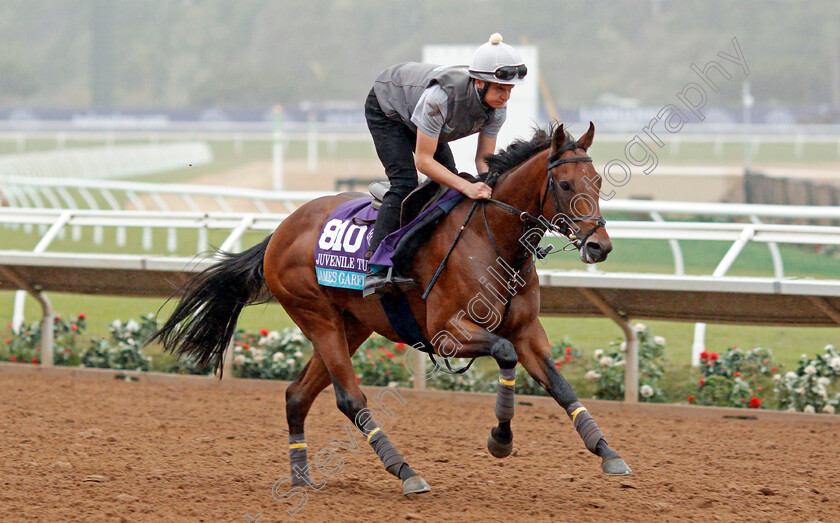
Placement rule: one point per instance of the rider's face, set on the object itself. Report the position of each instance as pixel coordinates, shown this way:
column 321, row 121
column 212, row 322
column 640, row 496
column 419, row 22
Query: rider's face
column 497, row 95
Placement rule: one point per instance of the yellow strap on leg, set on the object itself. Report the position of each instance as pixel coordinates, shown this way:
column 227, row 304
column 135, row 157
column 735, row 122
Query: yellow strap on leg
column 507, row 382
column 576, row 412
column 374, row 431
column 297, row 445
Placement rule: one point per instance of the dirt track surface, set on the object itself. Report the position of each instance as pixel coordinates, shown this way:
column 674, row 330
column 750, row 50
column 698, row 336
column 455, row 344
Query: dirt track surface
column 77, row 449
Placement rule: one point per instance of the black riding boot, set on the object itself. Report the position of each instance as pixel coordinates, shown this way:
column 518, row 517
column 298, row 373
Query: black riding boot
column 381, row 280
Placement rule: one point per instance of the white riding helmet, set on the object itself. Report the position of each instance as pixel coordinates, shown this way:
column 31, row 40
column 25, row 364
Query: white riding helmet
column 498, row 63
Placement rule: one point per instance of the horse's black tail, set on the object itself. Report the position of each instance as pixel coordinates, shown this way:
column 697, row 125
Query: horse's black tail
column 205, row 319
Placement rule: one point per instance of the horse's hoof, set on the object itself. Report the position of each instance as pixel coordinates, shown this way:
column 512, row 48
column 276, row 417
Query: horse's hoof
column 615, row 467
column 415, row 485
column 499, row 450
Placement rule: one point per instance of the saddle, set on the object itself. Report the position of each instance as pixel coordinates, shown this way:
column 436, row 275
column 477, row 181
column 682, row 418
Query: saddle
column 421, row 198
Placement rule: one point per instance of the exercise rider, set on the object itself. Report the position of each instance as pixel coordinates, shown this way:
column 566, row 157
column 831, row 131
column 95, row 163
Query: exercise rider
column 419, row 108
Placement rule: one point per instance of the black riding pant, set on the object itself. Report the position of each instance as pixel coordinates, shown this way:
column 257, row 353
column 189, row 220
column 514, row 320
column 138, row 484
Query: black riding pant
column 395, row 143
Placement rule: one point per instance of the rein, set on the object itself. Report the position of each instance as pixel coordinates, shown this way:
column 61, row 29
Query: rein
column 525, row 217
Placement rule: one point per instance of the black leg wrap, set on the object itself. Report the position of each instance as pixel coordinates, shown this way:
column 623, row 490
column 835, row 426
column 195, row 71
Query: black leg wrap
column 387, row 452
column 297, row 458
column 406, row 472
column 585, row 425
column 505, row 396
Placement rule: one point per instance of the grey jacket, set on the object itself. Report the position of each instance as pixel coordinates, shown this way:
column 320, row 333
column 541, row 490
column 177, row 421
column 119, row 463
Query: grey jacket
column 399, row 87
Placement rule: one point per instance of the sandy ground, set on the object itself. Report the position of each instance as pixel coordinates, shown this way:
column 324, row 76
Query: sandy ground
column 109, row 450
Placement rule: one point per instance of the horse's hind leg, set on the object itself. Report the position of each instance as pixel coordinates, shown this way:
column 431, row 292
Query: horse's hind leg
column 301, row 393
column 326, row 330
column 535, row 355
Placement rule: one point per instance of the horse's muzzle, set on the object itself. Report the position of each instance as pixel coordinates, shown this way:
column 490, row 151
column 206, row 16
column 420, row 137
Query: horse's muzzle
column 595, row 250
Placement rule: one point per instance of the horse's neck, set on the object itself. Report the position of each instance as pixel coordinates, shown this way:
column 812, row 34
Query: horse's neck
column 522, row 188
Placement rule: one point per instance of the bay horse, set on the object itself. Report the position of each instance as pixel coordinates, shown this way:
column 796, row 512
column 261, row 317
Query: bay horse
column 547, row 183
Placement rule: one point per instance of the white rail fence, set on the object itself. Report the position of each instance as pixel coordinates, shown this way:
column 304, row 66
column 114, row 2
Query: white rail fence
column 59, row 193
column 116, row 161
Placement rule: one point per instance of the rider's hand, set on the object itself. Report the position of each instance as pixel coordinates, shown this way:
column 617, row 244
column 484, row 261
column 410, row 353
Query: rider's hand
column 477, row 191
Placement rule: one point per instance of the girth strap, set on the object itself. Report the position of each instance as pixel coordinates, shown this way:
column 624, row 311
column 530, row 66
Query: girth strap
column 405, row 325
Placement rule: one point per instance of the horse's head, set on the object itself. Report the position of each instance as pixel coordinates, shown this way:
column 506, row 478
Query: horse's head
column 571, row 197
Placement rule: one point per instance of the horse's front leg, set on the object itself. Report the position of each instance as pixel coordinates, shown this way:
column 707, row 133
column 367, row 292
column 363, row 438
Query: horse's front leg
column 534, row 352
column 473, row 340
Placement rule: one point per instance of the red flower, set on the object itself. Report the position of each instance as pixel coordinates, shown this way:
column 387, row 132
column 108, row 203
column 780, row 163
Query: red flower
column 57, row 319
column 14, row 359
column 399, row 347
column 713, row 356
column 245, row 346
column 35, row 361
column 82, row 316
column 402, row 363
column 8, row 341
column 263, row 332
column 755, row 403
column 774, row 369
column 737, row 374
column 387, row 372
column 760, row 389
column 73, row 328
column 568, row 350
column 358, row 379
column 743, row 400
column 9, row 325
column 765, row 362
column 568, row 357
column 691, row 399
column 708, row 363
column 388, row 354
column 704, row 356
column 701, row 382
column 558, row 365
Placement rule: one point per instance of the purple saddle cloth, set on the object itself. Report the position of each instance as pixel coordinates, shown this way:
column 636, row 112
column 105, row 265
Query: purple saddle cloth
column 345, row 238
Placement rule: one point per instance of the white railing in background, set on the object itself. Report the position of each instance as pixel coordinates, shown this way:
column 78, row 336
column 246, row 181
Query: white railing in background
column 237, row 224
column 114, row 161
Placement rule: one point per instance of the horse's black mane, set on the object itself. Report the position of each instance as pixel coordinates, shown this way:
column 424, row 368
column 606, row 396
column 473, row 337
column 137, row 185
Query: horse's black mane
column 521, row 150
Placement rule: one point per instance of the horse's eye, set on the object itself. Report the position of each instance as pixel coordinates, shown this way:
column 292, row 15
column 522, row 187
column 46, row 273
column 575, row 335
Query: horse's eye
column 565, row 186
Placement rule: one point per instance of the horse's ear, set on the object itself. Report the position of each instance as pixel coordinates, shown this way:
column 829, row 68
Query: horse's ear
column 585, row 141
column 558, row 139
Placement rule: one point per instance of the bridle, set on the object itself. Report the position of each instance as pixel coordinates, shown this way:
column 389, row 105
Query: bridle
column 563, row 228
